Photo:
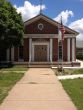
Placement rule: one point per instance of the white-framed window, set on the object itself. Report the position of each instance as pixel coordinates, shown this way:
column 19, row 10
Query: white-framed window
column 20, row 55
column 60, row 50
column 40, row 26
column 79, row 51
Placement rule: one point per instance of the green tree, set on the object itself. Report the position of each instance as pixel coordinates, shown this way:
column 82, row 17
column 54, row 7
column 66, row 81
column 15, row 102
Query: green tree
column 11, row 25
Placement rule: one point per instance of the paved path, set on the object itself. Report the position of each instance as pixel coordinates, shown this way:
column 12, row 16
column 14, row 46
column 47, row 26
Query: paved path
column 39, row 89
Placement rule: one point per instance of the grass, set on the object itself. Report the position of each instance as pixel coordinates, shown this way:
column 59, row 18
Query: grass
column 68, row 72
column 8, row 80
column 73, row 71
column 14, row 68
column 75, row 90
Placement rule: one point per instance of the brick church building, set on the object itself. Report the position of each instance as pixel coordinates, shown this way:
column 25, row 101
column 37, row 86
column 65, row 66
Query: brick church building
column 41, row 46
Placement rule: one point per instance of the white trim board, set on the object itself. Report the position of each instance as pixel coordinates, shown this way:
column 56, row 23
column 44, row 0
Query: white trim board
column 49, row 20
column 47, row 36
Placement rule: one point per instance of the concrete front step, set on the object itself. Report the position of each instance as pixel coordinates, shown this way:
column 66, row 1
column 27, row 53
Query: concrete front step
column 39, row 66
column 48, row 64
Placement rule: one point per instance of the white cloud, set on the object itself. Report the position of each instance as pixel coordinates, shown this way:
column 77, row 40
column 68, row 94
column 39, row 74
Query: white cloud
column 78, row 26
column 65, row 15
column 29, row 10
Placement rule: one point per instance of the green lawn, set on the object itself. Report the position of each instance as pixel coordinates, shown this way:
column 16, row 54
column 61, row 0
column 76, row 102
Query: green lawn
column 8, row 80
column 15, row 68
column 75, row 90
column 73, row 71
column 68, row 71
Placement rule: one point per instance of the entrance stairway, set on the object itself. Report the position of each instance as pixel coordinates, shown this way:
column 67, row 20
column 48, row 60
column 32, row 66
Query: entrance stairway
column 40, row 64
column 47, row 64
column 53, row 64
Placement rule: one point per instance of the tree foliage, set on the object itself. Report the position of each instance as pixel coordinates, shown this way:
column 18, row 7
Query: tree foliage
column 79, row 56
column 11, row 25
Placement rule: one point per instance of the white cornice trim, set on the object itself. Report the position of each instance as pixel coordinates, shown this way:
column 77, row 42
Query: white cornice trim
column 40, row 36
column 69, row 35
column 47, row 36
column 43, row 17
column 50, row 21
column 32, row 20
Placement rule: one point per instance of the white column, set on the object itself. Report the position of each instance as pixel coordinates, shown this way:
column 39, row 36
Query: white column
column 8, row 56
column 12, row 54
column 30, row 48
column 32, row 59
column 73, row 49
column 68, row 49
column 48, row 54
column 51, row 50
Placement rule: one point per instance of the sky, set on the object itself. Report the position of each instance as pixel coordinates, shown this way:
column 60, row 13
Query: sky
column 70, row 10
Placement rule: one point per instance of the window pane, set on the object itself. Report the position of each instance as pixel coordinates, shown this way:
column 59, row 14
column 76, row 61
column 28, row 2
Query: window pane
column 21, row 52
column 60, row 50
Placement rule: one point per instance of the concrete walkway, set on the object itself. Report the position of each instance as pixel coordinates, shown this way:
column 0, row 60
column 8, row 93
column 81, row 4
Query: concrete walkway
column 39, row 89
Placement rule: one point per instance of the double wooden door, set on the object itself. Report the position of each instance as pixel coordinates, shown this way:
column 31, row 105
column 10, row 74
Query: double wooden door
column 40, row 53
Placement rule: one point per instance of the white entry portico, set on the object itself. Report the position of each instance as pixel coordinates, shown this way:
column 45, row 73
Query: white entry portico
column 45, row 50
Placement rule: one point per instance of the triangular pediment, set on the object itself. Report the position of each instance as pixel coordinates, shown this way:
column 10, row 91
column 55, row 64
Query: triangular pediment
column 49, row 26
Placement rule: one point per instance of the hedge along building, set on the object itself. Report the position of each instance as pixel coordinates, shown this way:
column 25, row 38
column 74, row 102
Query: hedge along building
column 41, row 45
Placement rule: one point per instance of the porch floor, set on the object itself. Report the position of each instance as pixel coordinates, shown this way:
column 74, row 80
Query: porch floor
column 48, row 64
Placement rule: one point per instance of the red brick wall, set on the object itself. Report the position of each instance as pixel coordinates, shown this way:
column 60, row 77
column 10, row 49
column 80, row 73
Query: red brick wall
column 65, row 50
column 55, row 49
column 49, row 28
column 15, row 53
column 26, row 49
column 33, row 28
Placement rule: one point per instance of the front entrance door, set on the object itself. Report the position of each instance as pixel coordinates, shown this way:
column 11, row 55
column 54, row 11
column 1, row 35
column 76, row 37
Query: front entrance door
column 40, row 53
